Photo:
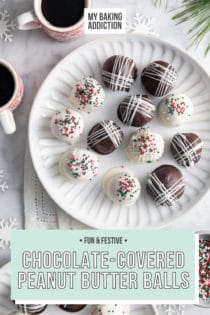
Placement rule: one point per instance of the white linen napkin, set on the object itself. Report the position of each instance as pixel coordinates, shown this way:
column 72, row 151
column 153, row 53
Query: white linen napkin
column 40, row 210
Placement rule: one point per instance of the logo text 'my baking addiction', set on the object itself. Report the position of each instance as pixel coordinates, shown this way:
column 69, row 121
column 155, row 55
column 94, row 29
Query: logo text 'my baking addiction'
column 105, row 21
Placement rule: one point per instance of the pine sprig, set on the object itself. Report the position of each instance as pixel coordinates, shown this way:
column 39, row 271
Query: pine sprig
column 196, row 11
column 159, row 3
column 199, row 12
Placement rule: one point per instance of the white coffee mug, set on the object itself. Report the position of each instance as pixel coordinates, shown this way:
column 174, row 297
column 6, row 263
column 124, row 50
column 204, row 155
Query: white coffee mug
column 6, row 110
column 35, row 19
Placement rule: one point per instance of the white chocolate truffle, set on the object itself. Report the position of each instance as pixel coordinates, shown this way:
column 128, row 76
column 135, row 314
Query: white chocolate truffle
column 87, row 95
column 175, row 109
column 111, row 309
column 78, row 165
column 145, row 146
column 67, row 126
column 121, row 186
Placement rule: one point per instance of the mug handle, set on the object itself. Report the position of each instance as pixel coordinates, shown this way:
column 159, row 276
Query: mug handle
column 7, row 121
column 28, row 21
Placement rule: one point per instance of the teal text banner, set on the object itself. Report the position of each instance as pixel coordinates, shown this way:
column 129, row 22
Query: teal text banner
column 100, row 266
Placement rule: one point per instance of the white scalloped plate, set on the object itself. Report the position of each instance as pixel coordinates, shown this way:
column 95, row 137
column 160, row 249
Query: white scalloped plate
column 88, row 202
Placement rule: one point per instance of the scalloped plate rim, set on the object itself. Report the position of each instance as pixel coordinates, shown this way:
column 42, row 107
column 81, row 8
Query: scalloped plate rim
column 47, row 187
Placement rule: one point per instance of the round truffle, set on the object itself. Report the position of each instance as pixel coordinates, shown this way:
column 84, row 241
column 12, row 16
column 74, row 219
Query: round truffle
column 114, row 309
column 105, row 137
column 121, row 186
column 67, row 126
column 175, row 109
column 159, row 78
column 165, row 185
column 186, row 148
column 87, row 95
column 119, row 73
column 72, row 307
column 31, row 308
column 136, row 110
column 78, row 165
column 145, row 146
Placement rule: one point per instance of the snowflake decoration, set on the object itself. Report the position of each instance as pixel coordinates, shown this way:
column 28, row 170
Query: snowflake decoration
column 142, row 25
column 6, row 26
column 3, row 183
column 169, row 309
column 6, row 226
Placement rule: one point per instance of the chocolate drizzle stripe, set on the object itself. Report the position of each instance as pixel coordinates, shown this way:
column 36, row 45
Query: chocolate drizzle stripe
column 108, row 130
column 161, row 193
column 121, row 76
column 136, row 105
column 165, row 76
column 116, row 81
column 186, row 151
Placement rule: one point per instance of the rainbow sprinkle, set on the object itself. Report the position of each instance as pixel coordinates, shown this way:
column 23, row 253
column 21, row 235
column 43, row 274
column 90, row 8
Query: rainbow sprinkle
column 88, row 93
column 68, row 125
column 80, row 167
column 127, row 187
column 176, row 105
column 204, row 270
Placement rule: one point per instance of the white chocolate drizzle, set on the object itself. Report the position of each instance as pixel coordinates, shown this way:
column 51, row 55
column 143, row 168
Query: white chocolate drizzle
column 121, row 77
column 163, row 195
column 31, row 308
column 164, row 75
column 136, row 104
column 187, row 153
column 108, row 130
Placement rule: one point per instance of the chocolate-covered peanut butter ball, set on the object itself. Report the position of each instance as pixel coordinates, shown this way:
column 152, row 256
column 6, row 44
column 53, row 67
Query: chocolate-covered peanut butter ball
column 72, row 307
column 165, row 185
column 105, row 137
column 159, row 78
column 186, row 148
column 136, row 110
column 119, row 73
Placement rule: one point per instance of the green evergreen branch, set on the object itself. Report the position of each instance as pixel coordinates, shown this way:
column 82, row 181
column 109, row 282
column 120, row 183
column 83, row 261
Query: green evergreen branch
column 198, row 12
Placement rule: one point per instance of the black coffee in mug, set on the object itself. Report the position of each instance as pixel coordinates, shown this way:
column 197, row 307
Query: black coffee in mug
column 7, row 85
column 63, row 13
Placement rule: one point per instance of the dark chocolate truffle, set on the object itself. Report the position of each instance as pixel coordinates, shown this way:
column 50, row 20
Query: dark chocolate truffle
column 72, row 307
column 119, row 73
column 159, row 78
column 165, row 185
column 186, row 148
column 136, row 110
column 31, row 308
column 105, row 137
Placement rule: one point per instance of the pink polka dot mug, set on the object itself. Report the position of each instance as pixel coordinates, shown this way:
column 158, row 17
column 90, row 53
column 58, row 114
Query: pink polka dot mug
column 11, row 93
column 37, row 19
